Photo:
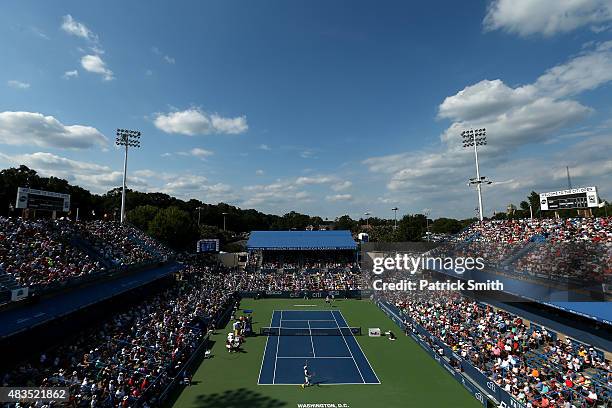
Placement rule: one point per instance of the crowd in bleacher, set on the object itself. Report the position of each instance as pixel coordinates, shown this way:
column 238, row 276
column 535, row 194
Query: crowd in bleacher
column 526, row 361
column 568, row 249
column 115, row 242
column 40, row 252
column 136, row 353
column 553, row 229
column 312, row 260
column 299, row 281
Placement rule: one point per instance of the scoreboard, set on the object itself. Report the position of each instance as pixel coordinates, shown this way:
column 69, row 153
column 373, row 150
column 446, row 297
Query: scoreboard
column 208, row 245
column 42, row 200
column 575, row 198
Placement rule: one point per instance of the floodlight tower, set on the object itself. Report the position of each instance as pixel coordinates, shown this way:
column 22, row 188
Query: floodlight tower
column 127, row 138
column 224, row 215
column 475, row 138
column 394, row 209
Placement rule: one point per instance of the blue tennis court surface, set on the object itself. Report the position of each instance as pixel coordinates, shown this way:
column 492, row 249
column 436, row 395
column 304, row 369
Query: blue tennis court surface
column 334, row 359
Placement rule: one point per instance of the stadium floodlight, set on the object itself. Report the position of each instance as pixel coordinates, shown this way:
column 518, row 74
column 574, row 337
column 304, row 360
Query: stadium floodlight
column 199, row 215
column 127, row 138
column 367, row 214
column 224, row 214
column 474, row 138
column 427, row 212
column 394, row 209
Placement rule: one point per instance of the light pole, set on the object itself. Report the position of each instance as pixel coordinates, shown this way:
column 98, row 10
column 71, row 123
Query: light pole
column 427, row 212
column 127, row 138
column 475, row 138
column 199, row 215
column 367, row 214
column 224, row 214
column 394, row 209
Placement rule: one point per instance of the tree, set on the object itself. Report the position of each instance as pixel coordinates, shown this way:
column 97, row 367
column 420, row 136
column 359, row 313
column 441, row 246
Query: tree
column 534, row 200
column 345, row 223
column 142, row 215
column 411, row 227
column 446, row 226
column 174, row 227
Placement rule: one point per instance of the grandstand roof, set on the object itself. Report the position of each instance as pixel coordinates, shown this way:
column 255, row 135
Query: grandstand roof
column 300, row 240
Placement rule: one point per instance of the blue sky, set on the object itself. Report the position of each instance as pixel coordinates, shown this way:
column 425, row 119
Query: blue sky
column 322, row 107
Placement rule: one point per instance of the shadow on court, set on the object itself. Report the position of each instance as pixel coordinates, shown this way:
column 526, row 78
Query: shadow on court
column 238, row 398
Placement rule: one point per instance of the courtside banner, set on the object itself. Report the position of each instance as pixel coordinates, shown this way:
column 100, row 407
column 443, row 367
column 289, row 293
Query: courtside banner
column 287, row 294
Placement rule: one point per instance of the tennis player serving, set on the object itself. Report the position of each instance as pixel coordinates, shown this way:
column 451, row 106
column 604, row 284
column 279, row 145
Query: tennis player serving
column 307, row 376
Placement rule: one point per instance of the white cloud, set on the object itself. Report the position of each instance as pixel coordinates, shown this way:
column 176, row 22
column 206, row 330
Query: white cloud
column 546, row 17
column 96, row 177
column 343, row 185
column 145, row 173
column 201, row 153
column 35, row 129
column 195, row 186
column 515, row 117
column 259, row 172
column 314, row 180
column 73, row 27
column 264, row 147
column 70, row 74
column 39, row 33
column 193, row 122
column 484, row 99
column 585, row 72
column 307, row 154
column 95, row 64
column 339, row 197
column 169, row 60
column 13, row 83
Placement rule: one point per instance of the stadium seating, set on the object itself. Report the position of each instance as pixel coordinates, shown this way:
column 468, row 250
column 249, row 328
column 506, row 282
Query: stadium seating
column 574, row 250
column 528, row 362
column 134, row 355
column 42, row 253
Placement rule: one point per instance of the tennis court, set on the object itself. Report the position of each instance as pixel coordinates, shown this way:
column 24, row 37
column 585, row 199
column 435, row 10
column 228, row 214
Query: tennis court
column 320, row 337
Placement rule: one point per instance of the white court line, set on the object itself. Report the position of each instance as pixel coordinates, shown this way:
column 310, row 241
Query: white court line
column 265, row 349
column 307, row 320
column 325, row 384
column 349, row 349
column 305, row 328
column 276, row 355
column 311, row 342
column 310, row 358
column 362, row 353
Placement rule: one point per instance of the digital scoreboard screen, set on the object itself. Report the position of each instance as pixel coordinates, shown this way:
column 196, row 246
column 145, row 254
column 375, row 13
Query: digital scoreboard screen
column 576, row 198
column 39, row 202
column 208, row 245
column 42, row 200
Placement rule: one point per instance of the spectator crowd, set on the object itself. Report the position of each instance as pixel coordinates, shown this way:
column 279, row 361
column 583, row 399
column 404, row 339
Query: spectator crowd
column 134, row 354
column 39, row 253
column 529, row 362
column 573, row 249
